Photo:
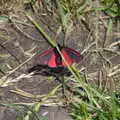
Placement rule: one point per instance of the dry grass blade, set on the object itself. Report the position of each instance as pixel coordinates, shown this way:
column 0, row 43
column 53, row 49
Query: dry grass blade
column 114, row 44
column 42, row 101
column 41, row 30
column 5, row 81
column 26, row 94
column 21, row 31
column 2, row 46
column 11, row 72
column 114, row 71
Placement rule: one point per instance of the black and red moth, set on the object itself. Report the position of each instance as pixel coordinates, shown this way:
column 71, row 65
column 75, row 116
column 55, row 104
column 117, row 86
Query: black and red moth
column 51, row 60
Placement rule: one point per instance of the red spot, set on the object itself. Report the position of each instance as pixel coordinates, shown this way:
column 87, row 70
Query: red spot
column 67, row 59
column 52, row 61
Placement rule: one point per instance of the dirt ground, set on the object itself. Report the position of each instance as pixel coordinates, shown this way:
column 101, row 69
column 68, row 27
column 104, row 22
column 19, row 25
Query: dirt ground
column 18, row 42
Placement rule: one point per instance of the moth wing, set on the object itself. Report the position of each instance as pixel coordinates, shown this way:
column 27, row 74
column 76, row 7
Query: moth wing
column 47, row 57
column 44, row 57
column 71, row 56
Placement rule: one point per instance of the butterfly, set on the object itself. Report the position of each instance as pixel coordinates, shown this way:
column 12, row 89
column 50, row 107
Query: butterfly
column 50, row 61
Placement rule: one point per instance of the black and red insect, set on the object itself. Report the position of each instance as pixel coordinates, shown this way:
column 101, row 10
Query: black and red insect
column 52, row 61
